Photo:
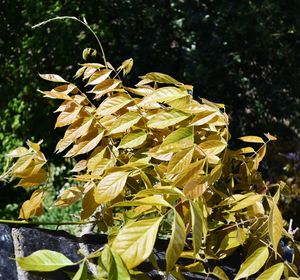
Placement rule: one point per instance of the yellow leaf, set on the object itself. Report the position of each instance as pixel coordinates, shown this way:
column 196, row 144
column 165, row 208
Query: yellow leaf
column 133, row 140
column 60, row 92
column 163, row 95
column 154, row 200
column 33, row 206
column 212, row 147
column 112, row 104
column 274, row 272
column 44, row 260
column 99, row 76
column 218, row 272
column 248, row 201
column 179, row 139
column 253, row 263
column 270, row 137
column 142, row 91
column 68, row 197
column 89, row 205
column 79, row 72
column 203, row 118
column 34, row 180
column 194, row 170
column 81, row 165
column 126, row 66
column 167, row 118
column 86, row 143
column 125, row 122
column 195, row 187
column 233, row 239
column 18, row 152
column 275, row 225
column 252, row 139
column 176, row 243
column 135, row 241
column 23, row 166
column 180, row 161
column 89, row 71
column 109, row 85
column 110, row 186
column 160, row 78
column 69, row 115
column 53, row 78
column 199, row 226
column 100, row 161
column 234, row 199
column 77, row 129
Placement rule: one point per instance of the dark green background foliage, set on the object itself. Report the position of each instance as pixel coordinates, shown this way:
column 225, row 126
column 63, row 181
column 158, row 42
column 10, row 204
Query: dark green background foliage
column 241, row 53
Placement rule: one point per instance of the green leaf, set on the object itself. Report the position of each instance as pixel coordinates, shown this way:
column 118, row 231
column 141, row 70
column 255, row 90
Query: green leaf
column 177, row 241
column 112, row 104
column 44, row 260
column 167, row 118
column 125, row 122
column 53, row 78
column 160, row 78
column 253, row 263
column 252, row 139
column 81, row 273
column 179, row 139
column 135, row 241
column 110, row 186
column 275, row 225
column 133, row 139
column 274, row 272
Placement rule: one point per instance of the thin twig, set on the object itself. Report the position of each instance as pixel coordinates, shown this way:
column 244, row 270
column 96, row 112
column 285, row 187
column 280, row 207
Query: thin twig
column 23, row 222
column 82, row 22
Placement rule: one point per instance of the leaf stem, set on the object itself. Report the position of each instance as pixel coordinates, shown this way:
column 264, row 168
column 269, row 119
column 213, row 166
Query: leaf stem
column 82, row 22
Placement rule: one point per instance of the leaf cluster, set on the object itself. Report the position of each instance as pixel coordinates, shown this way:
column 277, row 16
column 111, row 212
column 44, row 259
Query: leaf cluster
column 152, row 160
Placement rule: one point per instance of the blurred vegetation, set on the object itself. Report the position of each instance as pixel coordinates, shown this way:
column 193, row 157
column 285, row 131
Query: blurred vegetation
column 244, row 54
